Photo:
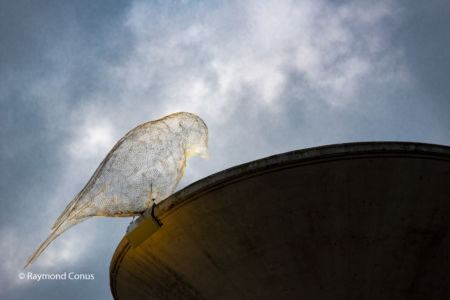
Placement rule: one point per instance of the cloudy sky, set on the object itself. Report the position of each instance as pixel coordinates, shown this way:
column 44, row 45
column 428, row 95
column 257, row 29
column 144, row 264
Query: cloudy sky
column 266, row 76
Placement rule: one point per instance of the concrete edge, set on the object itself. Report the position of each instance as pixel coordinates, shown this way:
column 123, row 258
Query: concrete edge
column 295, row 157
column 274, row 162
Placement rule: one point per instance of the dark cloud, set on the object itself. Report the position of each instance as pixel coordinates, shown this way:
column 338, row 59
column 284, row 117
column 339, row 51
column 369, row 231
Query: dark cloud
column 424, row 39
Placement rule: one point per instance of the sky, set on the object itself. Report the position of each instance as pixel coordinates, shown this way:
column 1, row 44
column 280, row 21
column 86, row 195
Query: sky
column 267, row 77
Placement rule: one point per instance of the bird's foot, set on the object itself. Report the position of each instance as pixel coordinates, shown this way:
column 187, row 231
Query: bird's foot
column 153, row 214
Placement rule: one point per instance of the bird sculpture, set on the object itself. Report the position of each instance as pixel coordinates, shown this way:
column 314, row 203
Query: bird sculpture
column 142, row 169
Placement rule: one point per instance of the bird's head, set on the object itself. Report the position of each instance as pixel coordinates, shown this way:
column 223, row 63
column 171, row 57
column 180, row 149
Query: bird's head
column 195, row 133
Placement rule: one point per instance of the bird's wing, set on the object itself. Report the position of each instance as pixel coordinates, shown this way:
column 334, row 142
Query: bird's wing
column 146, row 164
column 72, row 214
column 73, row 204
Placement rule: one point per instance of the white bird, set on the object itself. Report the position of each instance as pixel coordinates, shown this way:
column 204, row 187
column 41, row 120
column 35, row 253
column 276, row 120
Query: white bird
column 143, row 168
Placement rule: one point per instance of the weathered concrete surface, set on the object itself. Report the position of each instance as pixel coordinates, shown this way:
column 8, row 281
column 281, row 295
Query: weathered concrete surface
column 350, row 221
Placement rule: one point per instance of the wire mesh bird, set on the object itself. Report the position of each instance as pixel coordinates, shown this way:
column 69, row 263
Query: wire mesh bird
column 143, row 168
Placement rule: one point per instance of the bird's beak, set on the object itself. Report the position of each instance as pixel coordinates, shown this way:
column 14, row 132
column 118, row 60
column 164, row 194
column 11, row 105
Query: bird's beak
column 205, row 154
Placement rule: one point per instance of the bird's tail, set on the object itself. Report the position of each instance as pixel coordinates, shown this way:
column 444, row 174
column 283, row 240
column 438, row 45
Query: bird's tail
column 69, row 208
column 55, row 233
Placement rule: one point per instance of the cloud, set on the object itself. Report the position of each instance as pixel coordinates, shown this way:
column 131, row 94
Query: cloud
column 208, row 62
column 92, row 140
column 210, row 58
column 266, row 76
column 225, row 62
column 241, row 61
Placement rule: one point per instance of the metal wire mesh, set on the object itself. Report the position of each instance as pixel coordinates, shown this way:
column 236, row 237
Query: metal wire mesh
column 143, row 168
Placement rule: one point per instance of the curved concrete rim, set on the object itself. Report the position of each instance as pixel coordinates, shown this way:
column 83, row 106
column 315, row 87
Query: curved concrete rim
column 273, row 163
column 292, row 158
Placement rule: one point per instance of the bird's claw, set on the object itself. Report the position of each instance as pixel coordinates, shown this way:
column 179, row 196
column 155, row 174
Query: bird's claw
column 153, row 214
